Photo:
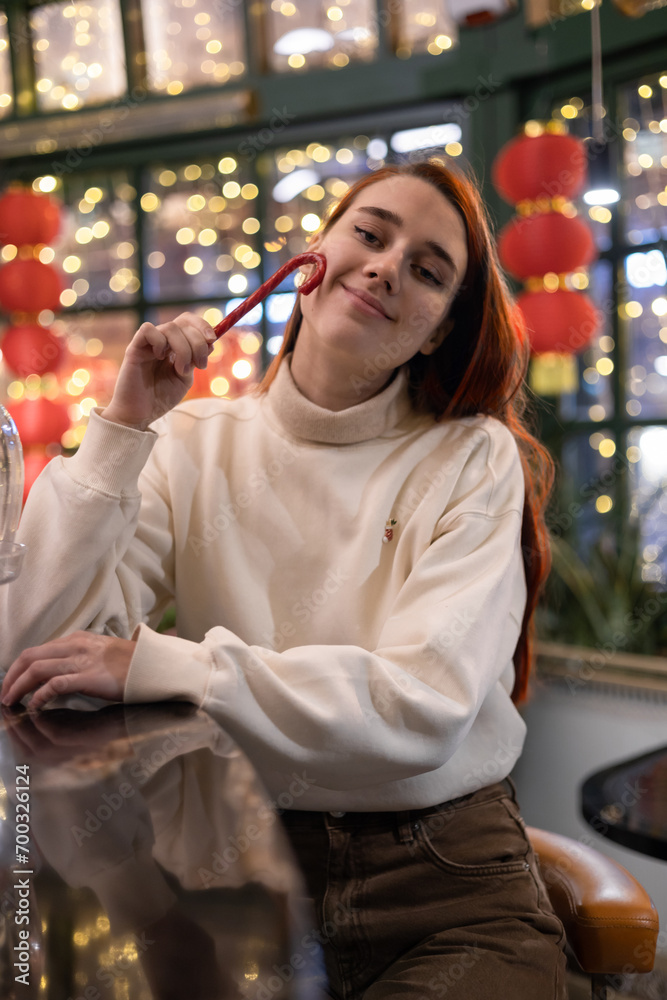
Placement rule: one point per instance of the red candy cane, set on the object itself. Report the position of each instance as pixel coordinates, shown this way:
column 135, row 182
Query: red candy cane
column 309, row 257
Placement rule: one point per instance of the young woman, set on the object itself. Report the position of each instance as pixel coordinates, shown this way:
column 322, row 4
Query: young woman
column 355, row 554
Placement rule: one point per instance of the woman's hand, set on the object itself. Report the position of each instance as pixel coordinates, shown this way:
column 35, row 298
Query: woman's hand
column 157, row 369
column 80, row 663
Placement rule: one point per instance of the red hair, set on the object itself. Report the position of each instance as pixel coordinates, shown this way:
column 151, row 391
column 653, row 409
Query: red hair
column 478, row 369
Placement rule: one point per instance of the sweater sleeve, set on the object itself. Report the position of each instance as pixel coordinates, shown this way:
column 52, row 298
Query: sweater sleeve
column 396, row 711
column 91, row 561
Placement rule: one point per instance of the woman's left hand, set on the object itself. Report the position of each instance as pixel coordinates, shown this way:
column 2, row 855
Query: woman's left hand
column 80, row 663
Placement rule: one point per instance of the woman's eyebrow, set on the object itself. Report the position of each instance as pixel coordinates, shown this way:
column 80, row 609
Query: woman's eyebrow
column 386, row 215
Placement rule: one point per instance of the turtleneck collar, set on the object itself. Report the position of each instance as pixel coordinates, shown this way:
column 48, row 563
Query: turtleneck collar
column 307, row 421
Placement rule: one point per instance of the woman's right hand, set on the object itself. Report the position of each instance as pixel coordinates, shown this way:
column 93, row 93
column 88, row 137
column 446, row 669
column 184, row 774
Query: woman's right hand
column 158, row 368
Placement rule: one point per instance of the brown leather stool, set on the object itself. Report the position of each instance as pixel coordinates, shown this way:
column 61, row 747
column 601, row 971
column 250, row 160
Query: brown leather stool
column 609, row 918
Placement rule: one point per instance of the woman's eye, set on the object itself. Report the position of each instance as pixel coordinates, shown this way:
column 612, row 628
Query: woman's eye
column 425, row 273
column 366, row 235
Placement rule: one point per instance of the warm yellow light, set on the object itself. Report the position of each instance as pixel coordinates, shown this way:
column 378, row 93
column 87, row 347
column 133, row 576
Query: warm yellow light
column 603, row 504
column 94, row 194
column 193, row 265
column 315, row 192
column 227, row 165
column 155, row 259
column 242, row 251
column 70, row 101
column 87, row 404
column 231, row 189
column 15, row 390
column 443, row 42
column 453, row 148
column 310, row 222
column 101, row 229
column 71, row 264
column 659, row 306
column 8, row 252
column 241, row 369
column 81, row 376
column 237, row 284
column 633, row 309
column 44, row 85
column 605, row 366
column 207, row 237
column 249, row 191
column 250, row 225
column 196, row 202
column 167, row 178
column 46, row 255
column 296, row 60
column 551, row 281
column 334, row 14
column 283, row 223
column 340, row 59
column 219, row 386
column 185, row 235
column 214, row 46
column 645, row 91
column 250, row 343
column 149, row 202
column 607, row 448
column 94, row 347
column 174, row 87
column 579, row 280
column 597, row 412
column 213, row 315
column 83, row 235
column 633, row 454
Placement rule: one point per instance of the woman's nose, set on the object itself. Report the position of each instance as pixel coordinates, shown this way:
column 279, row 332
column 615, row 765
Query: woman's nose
column 386, row 267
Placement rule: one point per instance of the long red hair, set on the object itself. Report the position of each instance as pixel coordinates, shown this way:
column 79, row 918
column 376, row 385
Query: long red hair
column 479, row 368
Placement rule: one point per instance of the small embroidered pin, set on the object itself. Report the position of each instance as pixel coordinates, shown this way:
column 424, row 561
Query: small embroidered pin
column 388, row 530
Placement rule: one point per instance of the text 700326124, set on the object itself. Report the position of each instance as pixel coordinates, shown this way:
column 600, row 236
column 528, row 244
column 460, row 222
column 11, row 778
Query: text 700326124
column 22, row 884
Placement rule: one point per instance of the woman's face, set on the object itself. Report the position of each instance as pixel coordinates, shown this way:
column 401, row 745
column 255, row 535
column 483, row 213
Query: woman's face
column 395, row 261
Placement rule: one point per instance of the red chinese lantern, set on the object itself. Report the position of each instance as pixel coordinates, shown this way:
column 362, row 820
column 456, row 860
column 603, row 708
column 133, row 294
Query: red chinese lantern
column 542, row 166
column 562, row 321
column 544, row 242
column 40, row 421
column 32, row 349
column 34, row 461
column 29, row 286
column 28, row 217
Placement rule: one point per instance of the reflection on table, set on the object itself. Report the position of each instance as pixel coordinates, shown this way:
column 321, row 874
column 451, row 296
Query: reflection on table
column 157, row 867
column 627, row 803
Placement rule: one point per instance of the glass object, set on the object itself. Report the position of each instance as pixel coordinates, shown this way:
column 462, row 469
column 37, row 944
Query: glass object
column 200, row 231
column 647, row 458
column 6, row 99
column 11, row 497
column 305, row 34
column 644, row 121
column 643, row 312
column 79, row 54
column 97, row 248
column 424, row 27
column 192, row 44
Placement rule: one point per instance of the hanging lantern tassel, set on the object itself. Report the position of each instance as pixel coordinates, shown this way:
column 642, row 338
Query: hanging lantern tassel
column 551, row 374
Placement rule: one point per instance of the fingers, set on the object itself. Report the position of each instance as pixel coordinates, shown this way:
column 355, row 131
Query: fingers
column 82, row 662
column 187, row 341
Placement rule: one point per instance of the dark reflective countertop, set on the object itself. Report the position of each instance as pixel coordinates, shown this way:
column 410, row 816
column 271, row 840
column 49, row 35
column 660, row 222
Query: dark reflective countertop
column 141, row 859
column 627, row 803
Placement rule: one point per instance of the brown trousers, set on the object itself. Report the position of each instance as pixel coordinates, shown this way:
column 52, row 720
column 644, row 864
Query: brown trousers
column 437, row 903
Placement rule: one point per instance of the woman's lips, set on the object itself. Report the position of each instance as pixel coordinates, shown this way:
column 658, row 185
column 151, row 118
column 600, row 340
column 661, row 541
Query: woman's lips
column 365, row 302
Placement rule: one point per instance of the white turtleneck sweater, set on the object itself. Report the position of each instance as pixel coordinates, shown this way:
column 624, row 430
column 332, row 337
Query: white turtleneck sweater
column 377, row 672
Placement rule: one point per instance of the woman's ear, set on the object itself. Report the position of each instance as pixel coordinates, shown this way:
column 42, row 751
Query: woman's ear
column 436, row 338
